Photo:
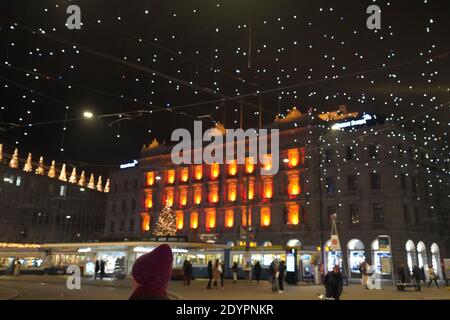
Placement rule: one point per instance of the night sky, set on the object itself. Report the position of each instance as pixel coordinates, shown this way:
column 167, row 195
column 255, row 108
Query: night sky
column 184, row 59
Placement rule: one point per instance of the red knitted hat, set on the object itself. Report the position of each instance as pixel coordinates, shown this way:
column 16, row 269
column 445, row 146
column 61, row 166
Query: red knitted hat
column 154, row 269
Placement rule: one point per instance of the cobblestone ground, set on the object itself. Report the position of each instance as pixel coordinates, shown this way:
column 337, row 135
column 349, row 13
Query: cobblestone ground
column 54, row 287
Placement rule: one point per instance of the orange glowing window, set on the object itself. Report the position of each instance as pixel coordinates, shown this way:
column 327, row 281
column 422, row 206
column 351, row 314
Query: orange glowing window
column 265, row 216
column 170, row 176
column 267, row 162
column 183, row 196
column 184, row 174
column 232, row 191
column 197, row 195
column 293, row 214
column 267, row 188
column 293, row 157
column 293, row 185
column 215, row 170
column 194, row 220
column 249, row 165
column 150, row 178
column 213, row 195
column 179, row 218
column 232, row 168
column 149, row 200
column 229, row 218
column 198, row 172
column 250, row 194
column 211, row 219
column 244, row 217
column 145, row 223
column 169, row 197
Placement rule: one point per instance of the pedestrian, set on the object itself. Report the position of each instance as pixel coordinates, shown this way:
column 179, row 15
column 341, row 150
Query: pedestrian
column 102, row 269
column 273, row 269
column 234, row 269
column 281, row 274
column 363, row 268
column 216, row 274
column 401, row 272
column 187, row 272
column 432, row 276
column 151, row 274
column 97, row 269
column 17, row 267
column 422, row 275
column 417, row 276
column 444, row 273
column 257, row 271
column 210, row 274
column 321, row 272
column 221, row 269
column 333, row 283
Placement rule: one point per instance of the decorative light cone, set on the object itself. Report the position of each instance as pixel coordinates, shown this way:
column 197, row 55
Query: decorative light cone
column 52, row 170
column 107, row 186
column 40, row 168
column 14, row 163
column 82, row 180
column 28, row 167
column 62, row 174
column 73, row 176
column 91, row 184
column 99, row 184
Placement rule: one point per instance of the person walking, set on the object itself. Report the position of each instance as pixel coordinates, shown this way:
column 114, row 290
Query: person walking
column 151, row 274
column 417, row 276
column 187, row 272
column 234, row 269
column 102, row 269
column 422, row 275
column 401, row 272
column 97, row 269
column 216, row 274
column 281, row 273
column 210, row 274
column 333, row 283
column 221, row 273
column 273, row 269
column 364, row 274
column 432, row 276
column 257, row 271
column 17, row 267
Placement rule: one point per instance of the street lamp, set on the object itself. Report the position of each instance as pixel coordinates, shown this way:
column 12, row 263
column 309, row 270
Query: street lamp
column 88, row 115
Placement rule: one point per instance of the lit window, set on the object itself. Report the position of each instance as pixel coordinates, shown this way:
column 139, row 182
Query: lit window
column 145, row 224
column 169, row 197
column 215, row 170
column 265, row 216
column 232, row 168
column 184, row 174
column 267, row 188
column 194, row 220
column 197, row 194
column 170, row 176
column 232, row 191
column 150, row 178
column 183, row 196
column 211, row 218
column 267, row 162
column 62, row 190
column 294, row 184
column 244, row 217
column 249, row 165
column 213, row 196
column 149, row 200
column 179, row 220
column 251, row 190
column 293, row 214
column 229, row 218
column 198, row 172
column 293, row 157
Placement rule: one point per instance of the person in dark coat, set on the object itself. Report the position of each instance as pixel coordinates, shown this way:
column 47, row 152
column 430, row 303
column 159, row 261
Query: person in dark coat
column 187, row 272
column 422, row 274
column 102, row 268
column 281, row 274
column 402, row 273
column 210, row 274
column 97, row 269
column 151, row 274
column 257, row 271
column 417, row 276
column 333, row 283
column 234, row 269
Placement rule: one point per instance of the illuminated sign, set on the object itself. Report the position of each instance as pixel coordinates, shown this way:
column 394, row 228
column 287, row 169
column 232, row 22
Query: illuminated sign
column 359, row 122
column 129, row 165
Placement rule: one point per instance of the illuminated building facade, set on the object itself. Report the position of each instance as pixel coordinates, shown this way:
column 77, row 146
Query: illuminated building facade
column 370, row 174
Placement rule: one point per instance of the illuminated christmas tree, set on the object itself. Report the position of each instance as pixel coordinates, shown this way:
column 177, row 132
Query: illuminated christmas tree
column 28, row 167
column 14, row 163
column 166, row 225
column 52, row 170
column 40, row 168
